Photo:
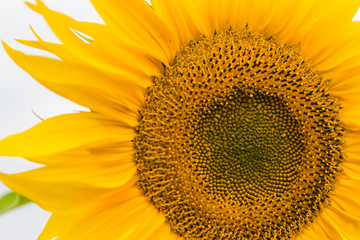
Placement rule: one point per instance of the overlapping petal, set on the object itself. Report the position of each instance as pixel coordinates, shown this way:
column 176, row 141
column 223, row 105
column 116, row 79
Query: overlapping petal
column 142, row 26
column 60, row 195
column 65, row 132
column 133, row 219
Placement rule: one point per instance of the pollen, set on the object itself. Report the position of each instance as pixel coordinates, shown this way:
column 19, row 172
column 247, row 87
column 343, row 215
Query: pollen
column 239, row 139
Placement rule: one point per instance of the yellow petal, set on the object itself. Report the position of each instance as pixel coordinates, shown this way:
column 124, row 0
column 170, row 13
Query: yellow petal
column 340, row 225
column 314, row 231
column 350, row 116
column 142, row 26
column 96, row 175
column 342, row 53
column 289, row 21
column 164, row 233
column 352, row 169
column 134, row 219
column 83, row 84
column 59, row 224
column 130, row 65
column 65, row 132
column 200, row 13
column 57, row 196
column 345, row 82
column 352, row 146
column 346, row 197
column 177, row 16
column 338, row 15
column 215, row 15
column 108, row 153
column 56, row 225
column 329, row 230
column 95, row 54
column 351, row 162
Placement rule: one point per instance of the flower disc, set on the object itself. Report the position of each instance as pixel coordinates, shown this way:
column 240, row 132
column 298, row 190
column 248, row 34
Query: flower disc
column 239, row 139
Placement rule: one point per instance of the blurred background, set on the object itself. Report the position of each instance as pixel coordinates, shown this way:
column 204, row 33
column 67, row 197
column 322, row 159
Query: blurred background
column 21, row 97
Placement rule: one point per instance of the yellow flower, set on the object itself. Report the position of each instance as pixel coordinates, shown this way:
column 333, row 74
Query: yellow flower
column 220, row 119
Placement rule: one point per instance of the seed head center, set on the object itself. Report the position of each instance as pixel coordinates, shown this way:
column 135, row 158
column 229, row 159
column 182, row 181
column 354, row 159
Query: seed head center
column 239, row 139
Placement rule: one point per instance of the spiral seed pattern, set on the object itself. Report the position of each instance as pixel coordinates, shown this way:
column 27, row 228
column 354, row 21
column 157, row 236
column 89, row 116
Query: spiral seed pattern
column 239, row 139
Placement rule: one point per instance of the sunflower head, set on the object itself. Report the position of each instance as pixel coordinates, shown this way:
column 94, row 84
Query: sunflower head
column 209, row 120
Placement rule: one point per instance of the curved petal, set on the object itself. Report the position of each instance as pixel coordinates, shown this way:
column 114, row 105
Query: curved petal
column 203, row 17
column 65, row 132
column 313, row 231
column 108, row 153
column 95, row 54
column 60, row 223
column 346, row 197
column 338, row 15
column 134, row 219
column 84, row 85
column 56, row 224
column 200, row 13
column 351, row 164
column 342, row 226
column 329, row 230
column 59, row 195
column 142, row 26
column 177, row 16
column 352, row 169
column 350, row 116
column 96, row 175
column 164, row 233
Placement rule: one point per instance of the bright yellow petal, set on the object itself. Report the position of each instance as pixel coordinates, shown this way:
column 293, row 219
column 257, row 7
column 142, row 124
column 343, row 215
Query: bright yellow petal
column 108, row 153
column 56, row 225
column 142, row 26
column 134, row 219
column 96, row 175
column 164, row 233
column 313, row 231
column 338, row 15
column 65, row 132
column 327, row 229
column 84, row 85
column 289, row 21
column 346, row 197
column 59, row 224
column 57, row 195
column 352, row 169
column 351, row 162
column 350, row 116
column 345, row 81
column 340, row 225
column 200, row 14
column 195, row 18
column 352, row 159
column 64, row 188
column 95, row 54
column 177, row 16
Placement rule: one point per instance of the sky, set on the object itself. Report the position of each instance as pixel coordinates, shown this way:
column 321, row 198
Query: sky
column 21, row 97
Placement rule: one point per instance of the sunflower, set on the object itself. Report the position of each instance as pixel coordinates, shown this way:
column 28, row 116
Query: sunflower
column 231, row 119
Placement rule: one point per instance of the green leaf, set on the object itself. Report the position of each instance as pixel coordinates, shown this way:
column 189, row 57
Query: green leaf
column 12, row 200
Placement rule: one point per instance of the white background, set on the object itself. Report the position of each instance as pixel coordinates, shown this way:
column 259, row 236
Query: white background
column 20, row 95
